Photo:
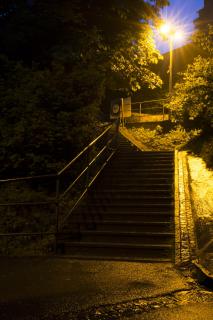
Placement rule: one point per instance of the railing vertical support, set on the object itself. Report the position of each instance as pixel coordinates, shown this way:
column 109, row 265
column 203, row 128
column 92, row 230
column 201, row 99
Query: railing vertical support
column 122, row 112
column 87, row 164
column 117, row 124
column 140, row 108
column 57, row 190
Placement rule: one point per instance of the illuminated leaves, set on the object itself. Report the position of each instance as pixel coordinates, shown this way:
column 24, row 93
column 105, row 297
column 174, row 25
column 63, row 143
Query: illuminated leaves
column 193, row 95
column 205, row 41
column 133, row 62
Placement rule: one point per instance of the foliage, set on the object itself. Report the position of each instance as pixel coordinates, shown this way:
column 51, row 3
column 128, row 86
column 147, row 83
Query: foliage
column 57, row 59
column 131, row 64
column 158, row 140
column 191, row 103
column 45, row 118
column 204, row 40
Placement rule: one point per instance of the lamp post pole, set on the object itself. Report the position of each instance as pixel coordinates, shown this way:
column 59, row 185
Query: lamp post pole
column 170, row 34
column 170, row 64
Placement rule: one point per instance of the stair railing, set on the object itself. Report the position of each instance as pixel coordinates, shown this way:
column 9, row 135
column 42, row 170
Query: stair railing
column 150, row 107
column 58, row 194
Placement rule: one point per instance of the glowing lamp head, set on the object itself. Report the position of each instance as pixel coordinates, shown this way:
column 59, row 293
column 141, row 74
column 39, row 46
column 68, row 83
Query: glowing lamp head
column 168, row 31
column 165, row 29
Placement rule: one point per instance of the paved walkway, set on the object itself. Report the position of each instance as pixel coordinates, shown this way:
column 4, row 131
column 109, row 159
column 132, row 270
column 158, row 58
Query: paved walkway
column 44, row 288
column 198, row 311
column 61, row 289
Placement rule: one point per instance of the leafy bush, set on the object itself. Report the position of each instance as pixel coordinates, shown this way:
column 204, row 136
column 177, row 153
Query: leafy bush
column 192, row 99
column 157, row 140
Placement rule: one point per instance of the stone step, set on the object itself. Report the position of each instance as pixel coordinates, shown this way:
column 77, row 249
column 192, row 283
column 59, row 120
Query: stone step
column 93, row 256
column 129, row 151
column 127, row 187
column 121, row 225
column 139, row 161
column 123, row 250
column 127, row 237
column 140, row 216
column 119, row 193
column 151, row 153
column 142, row 164
column 141, row 172
column 128, row 194
column 136, row 180
column 126, row 154
column 127, row 199
column 132, row 207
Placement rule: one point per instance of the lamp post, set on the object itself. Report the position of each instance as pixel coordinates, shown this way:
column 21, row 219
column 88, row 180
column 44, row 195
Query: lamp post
column 170, row 64
column 169, row 33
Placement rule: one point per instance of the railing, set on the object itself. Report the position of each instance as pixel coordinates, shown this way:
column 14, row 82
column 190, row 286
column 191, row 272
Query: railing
column 150, row 107
column 42, row 204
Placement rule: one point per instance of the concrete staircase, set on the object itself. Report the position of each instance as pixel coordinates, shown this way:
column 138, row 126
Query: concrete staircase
column 128, row 213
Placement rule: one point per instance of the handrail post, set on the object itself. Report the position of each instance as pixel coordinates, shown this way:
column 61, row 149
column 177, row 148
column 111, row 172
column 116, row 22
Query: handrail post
column 140, row 109
column 57, row 190
column 87, row 164
column 117, row 124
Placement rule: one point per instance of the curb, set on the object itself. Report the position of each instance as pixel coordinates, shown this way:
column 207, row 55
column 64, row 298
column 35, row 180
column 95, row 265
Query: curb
column 186, row 238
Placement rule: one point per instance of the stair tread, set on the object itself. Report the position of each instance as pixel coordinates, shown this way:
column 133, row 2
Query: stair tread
column 136, row 197
column 127, row 189
column 116, row 244
column 128, row 205
column 126, row 233
column 116, row 258
column 128, row 222
column 132, row 212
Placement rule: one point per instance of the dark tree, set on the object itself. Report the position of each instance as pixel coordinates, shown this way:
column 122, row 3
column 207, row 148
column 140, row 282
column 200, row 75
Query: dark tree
column 58, row 58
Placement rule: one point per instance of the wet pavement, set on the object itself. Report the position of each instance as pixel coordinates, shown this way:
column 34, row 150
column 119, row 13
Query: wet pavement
column 57, row 288
column 198, row 311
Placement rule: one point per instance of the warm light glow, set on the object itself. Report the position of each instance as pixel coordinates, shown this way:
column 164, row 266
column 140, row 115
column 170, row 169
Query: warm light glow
column 169, row 31
column 178, row 35
column 165, row 29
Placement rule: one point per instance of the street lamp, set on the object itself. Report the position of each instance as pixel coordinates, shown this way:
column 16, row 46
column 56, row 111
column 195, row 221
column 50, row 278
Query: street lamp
column 171, row 34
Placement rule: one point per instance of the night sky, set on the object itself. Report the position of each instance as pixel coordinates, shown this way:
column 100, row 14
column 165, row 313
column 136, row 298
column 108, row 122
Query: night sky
column 181, row 13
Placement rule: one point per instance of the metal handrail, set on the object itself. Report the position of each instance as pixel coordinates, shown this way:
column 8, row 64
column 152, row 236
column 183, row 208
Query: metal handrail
column 27, row 203
column 30, row 178
column 56, row 200
column 84, row 150
column 86, row 189
column 139, row 106
column 147, row 101
column 84, row 170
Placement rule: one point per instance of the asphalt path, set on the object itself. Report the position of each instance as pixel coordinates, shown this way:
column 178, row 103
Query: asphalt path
column 45, row 288
column 198, row 311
